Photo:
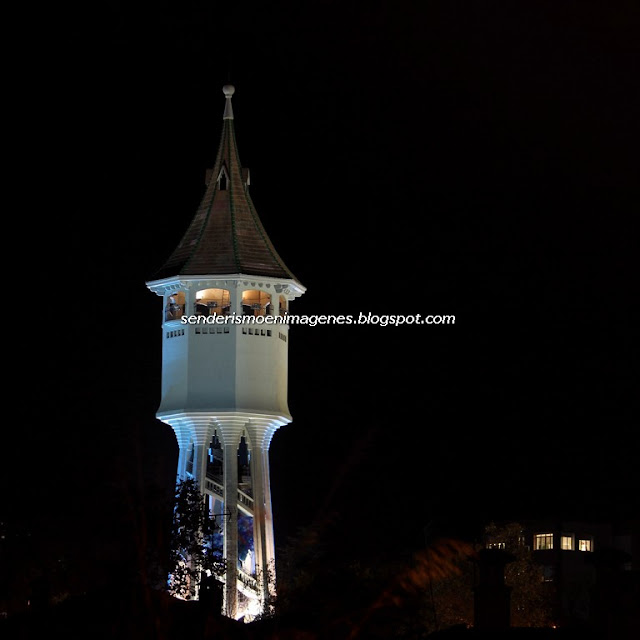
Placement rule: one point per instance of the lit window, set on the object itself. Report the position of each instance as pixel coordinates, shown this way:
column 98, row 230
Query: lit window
column 174, row 307
column 496, row 545
column 584, row 545
column 256, row 303
column 542, row 541
column 211, row 302
column 567, row 542
column 283, row 305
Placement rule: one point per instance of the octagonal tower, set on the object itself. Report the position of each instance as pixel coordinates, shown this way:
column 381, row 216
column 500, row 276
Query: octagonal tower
column 226, row 293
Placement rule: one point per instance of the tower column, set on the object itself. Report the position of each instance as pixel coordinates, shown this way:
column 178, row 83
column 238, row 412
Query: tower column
column 270, row 549
column 196, row 429
column 231, row 527
column 257, row 480
column 189, row 301
column 260, row 435
column 200, row 464
column 183, row 449
column 235, row 298
column 231, row 431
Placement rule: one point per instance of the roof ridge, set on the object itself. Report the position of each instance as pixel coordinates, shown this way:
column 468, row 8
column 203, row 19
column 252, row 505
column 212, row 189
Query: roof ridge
column 209, row 209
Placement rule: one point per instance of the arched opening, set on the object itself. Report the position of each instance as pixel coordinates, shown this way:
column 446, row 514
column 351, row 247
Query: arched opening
column 215, row 505
column 244, row 466
column 191, row 458
column 223, row 180
column 256, row 303
column 215, row 459
column 246, row 548
column 283, row 306
column 211, row 302
column 174, row 305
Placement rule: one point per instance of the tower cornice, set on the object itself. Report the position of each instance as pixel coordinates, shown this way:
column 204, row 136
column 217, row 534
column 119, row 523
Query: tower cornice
column 286, row 286
column 199, row 425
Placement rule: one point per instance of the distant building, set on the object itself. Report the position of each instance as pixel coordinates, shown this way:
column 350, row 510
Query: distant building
column 591, row 569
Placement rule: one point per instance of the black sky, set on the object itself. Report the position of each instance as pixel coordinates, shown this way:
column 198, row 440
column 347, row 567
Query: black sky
column 467, row 158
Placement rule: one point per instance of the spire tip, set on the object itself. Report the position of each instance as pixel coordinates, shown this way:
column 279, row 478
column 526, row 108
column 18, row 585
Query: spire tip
column 228, row 91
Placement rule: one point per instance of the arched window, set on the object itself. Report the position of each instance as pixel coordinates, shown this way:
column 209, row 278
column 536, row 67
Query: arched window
column 244, row 461
column 216, row 458
column 256, row 303
column 211, row 302
column 283, row 306
column 223, row 180
column 174, row 305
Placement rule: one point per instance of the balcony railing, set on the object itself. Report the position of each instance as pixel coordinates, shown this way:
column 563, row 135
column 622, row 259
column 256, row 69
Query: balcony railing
column 211, row 309
column 216, row 487
column 246, row 500
column 247, row 580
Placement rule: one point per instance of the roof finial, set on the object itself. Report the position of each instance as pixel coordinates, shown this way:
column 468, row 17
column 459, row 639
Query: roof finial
column 228, row 91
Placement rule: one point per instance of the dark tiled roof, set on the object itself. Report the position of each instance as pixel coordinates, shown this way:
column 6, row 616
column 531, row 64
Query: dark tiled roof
column 225, row 235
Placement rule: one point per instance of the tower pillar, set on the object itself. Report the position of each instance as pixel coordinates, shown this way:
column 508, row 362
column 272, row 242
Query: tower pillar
column 192, row 430
column 260, row 435
column 231, row 528
column 200, row 463
column 270, row 548
column 230, row 431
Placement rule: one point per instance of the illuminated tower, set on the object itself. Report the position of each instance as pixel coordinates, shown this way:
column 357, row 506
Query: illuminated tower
column 224, row 384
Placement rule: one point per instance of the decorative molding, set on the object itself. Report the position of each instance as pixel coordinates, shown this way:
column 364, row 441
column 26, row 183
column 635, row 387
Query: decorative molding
column 289, row 288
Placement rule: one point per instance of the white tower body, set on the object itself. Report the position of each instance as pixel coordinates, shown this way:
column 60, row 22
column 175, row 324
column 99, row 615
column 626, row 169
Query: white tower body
column 224, row 367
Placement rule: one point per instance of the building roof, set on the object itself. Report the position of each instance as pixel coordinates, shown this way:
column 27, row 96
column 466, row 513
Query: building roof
column 226, row 235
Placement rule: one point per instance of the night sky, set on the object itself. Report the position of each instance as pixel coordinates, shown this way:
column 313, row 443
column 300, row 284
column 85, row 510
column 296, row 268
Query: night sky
column 469, row 158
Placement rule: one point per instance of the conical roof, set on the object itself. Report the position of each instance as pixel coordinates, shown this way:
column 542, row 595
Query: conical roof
column 226, row 235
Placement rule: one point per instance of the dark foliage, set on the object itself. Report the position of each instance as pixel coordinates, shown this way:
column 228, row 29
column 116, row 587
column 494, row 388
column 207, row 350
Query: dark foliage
column 193, row 552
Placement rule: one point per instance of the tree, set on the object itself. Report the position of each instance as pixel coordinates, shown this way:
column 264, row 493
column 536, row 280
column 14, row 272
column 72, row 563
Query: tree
column 445, row 572
column 193, row 549
column 530, row 602
column 449, row 598
column 328, row 589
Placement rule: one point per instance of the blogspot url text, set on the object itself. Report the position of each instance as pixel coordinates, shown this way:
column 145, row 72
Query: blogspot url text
column 361, row 319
